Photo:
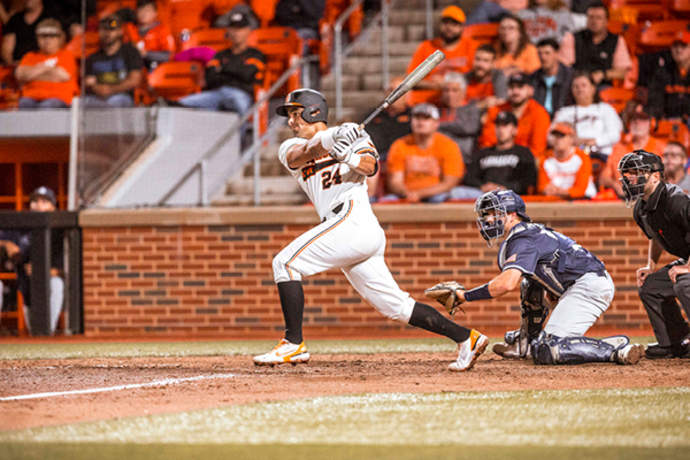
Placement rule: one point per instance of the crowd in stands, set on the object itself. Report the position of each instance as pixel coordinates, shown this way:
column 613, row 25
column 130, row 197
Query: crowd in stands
column 559, row 79
column 546, row 105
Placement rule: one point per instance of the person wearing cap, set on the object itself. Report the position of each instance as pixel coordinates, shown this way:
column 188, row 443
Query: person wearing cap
column 533, row 120
column 114, row 71
column 153, row 39
column 675, row 158
column 669, row 90
column 552, row 81
column 232, row 74
column 19, row 34
column 492, row 11
column 18, row 247
column 424, row 165
column 662, row 211
column 460, row 119
column 565, row 171
column 487, row 86
column 47, row 77
column 596, row 50
column 459, row 50
column 541, row 262
column 504, row 165
column 638, row 138
column 514, row 50
column 597, row 124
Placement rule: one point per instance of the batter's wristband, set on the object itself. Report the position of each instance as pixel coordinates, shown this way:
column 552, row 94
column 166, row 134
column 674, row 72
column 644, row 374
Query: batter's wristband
column 353, row 161
column 478, row 293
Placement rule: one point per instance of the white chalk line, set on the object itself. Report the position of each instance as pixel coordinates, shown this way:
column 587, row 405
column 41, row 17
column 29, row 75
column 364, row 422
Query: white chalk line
column 155, row 383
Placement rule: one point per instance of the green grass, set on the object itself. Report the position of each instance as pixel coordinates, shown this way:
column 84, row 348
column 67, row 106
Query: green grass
column 220, row 348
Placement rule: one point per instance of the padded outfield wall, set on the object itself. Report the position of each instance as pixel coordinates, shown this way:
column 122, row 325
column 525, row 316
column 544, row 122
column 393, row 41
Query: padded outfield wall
column 207, row 271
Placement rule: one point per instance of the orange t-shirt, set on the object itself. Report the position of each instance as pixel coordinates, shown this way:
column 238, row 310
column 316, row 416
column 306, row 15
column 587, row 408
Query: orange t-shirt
column 458, row 59
column 533, row 126
column 477, row 91
column 42, row 89
column 425, row 167
column 527, row 61
column 574, row 174
column 624, row 147
column 158, row 38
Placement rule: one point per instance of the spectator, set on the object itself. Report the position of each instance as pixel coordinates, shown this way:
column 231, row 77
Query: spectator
column 597, row 124
column 669, row 91
column 153, row 39
column 505, row 165
column 389, row 125
column 7, row 11
column 486, row 85
column 553, row 80
column 514, row 51
column 675, row 158
column 638, row 138
column 424, row 165
column 493, row 11
column 232, row 74
column 19, row 34
column 114, row 71
column 533, row 120
column 460, row 121
column 566, row 171
column 547, row 19
column 596, row 50
column 301, row 15
column 48, row 77
column 458, row 50
column 18, row 247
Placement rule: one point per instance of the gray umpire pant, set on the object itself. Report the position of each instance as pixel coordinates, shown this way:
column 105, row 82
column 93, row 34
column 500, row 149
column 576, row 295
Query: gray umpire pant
column 659, row 294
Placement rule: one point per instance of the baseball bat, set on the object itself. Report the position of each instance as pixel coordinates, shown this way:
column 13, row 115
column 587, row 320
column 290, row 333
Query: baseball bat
column 421, row 71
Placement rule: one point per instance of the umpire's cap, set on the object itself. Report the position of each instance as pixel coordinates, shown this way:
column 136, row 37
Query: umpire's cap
column 314, row 103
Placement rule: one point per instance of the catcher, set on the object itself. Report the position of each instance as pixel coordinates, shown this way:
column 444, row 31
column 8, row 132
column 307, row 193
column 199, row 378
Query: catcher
column 543, row 263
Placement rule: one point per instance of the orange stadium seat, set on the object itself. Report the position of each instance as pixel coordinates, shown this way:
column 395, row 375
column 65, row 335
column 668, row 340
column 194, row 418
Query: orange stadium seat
column 646, row 9
column 105, row 7
column 185, row 16
column 483, row 33
column 223, row 6
column 265, row 10
column 617, row 97
column 173, row 80
column 17, row 314
column 90, row 41
column 660, row 34
column 671, row 130
column 283, row 48
column 630, row 32
column 215, row 38
column 680, row 8
column 9, row 89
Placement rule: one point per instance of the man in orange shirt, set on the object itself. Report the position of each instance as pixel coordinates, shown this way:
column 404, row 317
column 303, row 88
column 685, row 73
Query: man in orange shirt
column 486, row 85
column 459, row 51
column 533, row 119
column 153, row 39
column 424, row 165
column 638, row 138
column 566, row 171
column 48, row 77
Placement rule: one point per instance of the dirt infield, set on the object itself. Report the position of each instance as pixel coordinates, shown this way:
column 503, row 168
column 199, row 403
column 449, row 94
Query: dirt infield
column 324, row 375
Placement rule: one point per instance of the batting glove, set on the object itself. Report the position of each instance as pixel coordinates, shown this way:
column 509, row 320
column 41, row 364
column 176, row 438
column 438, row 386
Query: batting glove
column 348, row 132
column 342, row 151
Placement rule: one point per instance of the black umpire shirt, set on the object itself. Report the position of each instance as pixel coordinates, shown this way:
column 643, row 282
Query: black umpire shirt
column 666, row 218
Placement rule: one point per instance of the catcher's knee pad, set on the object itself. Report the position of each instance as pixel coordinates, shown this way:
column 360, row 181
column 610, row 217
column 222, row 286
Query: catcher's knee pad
column 549, row 349
column 281, row 270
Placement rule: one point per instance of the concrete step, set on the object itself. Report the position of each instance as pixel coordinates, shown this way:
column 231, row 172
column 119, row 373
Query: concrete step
column 395, row 34
column 270, row 185
column 266, row 200
column 368, row 65
column 402, row 16
column 350, row 82
column 415, row 32
column 397, row 48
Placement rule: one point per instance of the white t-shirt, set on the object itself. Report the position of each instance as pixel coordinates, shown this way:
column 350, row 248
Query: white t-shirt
column 597, row 121
column 327, row 182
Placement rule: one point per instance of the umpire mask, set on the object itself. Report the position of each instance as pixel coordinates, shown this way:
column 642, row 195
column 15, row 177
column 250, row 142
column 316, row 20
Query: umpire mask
column 635, row 168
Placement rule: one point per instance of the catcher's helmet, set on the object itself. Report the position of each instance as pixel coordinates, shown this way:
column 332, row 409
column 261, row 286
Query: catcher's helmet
column 638, row 163
column 492, row 209
column 315, row 108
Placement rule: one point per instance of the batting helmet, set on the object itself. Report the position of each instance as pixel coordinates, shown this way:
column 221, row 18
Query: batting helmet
column 315, row 108
column 638, row 163
column 496, row 205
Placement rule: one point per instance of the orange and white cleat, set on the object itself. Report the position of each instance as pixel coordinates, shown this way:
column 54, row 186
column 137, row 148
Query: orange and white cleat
column 283, row 353
column 469, row 351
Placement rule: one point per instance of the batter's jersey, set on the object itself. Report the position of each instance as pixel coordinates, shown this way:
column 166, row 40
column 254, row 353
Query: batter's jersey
column 546, row 256
column 327, row 182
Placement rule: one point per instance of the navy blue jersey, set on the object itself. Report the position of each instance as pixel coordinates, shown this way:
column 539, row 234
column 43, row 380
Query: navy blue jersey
column 546, row 256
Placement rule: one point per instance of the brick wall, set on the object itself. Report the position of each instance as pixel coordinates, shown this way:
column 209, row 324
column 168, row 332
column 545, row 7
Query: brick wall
column 208, row 271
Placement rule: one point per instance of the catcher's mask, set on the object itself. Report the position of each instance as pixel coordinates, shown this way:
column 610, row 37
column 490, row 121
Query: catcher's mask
column 638, row 164
column 314, row 103
column 492, row 208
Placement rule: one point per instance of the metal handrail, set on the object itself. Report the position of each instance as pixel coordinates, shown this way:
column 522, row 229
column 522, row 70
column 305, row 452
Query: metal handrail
column 338, row 55
column 429, row 19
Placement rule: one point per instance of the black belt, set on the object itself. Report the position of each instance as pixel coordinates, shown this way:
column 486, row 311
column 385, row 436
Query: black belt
column 335, row 210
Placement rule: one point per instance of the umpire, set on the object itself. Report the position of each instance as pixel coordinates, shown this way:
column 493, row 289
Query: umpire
column 662, row 211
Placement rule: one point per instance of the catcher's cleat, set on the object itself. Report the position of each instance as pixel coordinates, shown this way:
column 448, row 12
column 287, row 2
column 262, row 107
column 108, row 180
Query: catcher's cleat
column 630, row 354
column 469, row 351
column 283, row 353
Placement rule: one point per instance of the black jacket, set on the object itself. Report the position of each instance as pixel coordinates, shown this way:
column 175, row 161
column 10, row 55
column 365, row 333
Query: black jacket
column 669, row 93
column 242, row 70
column 666, row 218
column 560, row 92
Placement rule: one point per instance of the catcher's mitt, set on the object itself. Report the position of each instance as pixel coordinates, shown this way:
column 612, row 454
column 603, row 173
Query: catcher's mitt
column 444, row 293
